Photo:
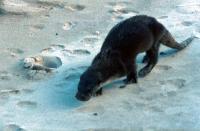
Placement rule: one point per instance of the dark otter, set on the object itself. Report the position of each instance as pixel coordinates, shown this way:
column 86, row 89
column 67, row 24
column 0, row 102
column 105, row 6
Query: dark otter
column 117, row 56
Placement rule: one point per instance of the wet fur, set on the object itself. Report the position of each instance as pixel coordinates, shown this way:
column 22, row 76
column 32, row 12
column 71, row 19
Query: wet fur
column 123, row 43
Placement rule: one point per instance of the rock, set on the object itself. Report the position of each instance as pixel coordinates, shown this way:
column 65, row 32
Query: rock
column 40, row 62
column 95, row 114
column 68, row 25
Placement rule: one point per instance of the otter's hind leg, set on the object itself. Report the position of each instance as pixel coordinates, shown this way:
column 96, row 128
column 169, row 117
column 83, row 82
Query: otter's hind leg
column 131, row 68
column 152, row 55
column 169, row 41
column 145, row 59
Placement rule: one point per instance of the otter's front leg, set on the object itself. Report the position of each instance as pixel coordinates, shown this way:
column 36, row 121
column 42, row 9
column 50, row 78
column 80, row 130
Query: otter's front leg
column 131, row 68
column 99, row 92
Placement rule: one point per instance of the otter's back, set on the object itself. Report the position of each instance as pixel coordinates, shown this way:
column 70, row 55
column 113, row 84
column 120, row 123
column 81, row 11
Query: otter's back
column 133, row 29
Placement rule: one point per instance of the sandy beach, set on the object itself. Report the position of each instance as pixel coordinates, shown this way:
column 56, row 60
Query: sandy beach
column 167, row 99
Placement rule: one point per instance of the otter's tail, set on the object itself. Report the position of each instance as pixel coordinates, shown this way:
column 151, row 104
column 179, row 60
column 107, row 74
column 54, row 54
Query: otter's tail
column 169, row 41
column 186, row 42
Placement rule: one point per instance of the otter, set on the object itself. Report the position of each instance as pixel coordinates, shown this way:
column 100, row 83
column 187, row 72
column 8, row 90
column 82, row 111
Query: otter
column 120, row 48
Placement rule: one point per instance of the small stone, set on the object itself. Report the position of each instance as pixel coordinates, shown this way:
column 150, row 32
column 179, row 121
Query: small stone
column 97, row 33
column 27, row 104
column 13, row 54
column 15, row 91
column 68, row 25
column 122, row 86
column 95, row 114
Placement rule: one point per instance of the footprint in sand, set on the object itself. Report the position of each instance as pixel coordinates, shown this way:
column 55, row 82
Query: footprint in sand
column 49, row 4
column 171, row 93
column 4, row 97
column 120, row 11
column 27, row 104
column 170, row 87
column 97, row 109
column 52, row 48
column 58, row 46
column 188, row 9
column 89, row 41
column 4, row 75
column 125, row 3
column 180, row 83
column 76, row 52
column 139, row 104
column 173, row 83
column 14, row 51
column 156, row 109
column 81, row 52
column 187, row 23
column 13, row 127
column 163, row 67
column 11, row 91
column 118, row 18
column 75, row 7
column 16, row 91
column 163, row 17
column 13, row 13
column 37, row 27
column 27, row 91
column 65, row 51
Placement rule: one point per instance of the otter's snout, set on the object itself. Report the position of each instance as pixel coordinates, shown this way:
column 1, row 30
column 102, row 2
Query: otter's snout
column 82, row 97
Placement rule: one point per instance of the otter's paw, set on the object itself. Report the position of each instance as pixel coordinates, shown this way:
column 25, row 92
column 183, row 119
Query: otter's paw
column 130, row 81
column 122, row 86
column 143, row 72
column 99, row 92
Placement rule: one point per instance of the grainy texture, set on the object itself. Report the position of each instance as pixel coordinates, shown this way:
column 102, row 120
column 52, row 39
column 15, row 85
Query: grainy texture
column 168, row 98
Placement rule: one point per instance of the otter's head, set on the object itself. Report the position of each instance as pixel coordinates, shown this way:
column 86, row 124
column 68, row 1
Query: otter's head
column 88, row 84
